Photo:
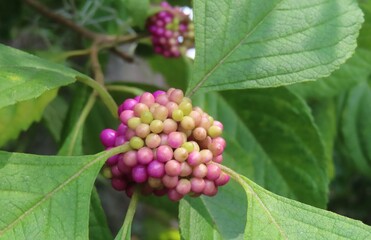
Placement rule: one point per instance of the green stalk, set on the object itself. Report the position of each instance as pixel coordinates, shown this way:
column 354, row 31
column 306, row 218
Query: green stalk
column 132, row 90
column 104, row 95
column 126, row 226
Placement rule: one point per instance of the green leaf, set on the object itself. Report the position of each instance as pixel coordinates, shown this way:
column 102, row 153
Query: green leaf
column 137, row 9
column 290, row 162
column 355, row 70
column 47, row 197
column 54, row 116
column 18, row 117
column 355, row 128
column 324, row 113
column 98, row 226
column 24, row 76
column 274, row 217
column 247, row 44
column 364, row 38
column 220, row 217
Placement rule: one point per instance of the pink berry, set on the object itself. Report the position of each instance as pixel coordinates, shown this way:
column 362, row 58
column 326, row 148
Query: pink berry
column 197, row 185
column 144, row 155
column 213, row 172
column 172, row 168
column 222, row 180
column 183, row 187
column 169, row 181
column 156, row 169
column 164, row 153
column 176, row 139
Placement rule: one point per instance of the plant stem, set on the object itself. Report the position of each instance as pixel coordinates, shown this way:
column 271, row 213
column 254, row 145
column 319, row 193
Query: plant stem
column 79, row 124
column 132, row 90
column 129, row 217
column 113, row 151
column 104, row 95
column 95, row 65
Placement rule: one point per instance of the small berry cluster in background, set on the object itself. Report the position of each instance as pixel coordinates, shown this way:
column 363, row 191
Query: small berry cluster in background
column 174, row 147
column 172, row 32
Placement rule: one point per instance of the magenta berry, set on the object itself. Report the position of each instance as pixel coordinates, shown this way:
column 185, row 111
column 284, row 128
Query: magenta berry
column 139, row 174
column 175, row 147
column 171, row 31
column 108, row 137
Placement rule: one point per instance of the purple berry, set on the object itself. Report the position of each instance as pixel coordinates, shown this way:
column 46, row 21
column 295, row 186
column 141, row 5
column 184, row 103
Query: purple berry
column 112, row 160
column 108, row 137
column 139, row 174
column 118, row 184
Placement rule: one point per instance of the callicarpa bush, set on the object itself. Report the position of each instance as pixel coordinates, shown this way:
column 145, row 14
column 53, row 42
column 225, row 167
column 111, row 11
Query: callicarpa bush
column 175, row 147
column 172, row 32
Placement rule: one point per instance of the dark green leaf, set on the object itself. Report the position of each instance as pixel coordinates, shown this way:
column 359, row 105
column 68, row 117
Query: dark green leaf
column 54, row 116
column 324, row 113
column 98, row 227
column 355, row 128
column 248, row 44
column 290, row 162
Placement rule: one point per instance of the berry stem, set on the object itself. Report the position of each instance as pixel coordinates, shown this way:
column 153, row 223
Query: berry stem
column 132, row 90
column 244, row 182
column 126, row 226
column 79, row 124
column 105, row 96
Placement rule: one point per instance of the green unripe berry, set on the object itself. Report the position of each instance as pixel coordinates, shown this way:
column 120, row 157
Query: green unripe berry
column 180, row 154
column 146, row 117
column 106, row 172
column 214, row 131
column 186, row 107
column 155, row 182
column 177, row 115
column 188, row 146
column 156, row 126
column 134, row 122
column 136, row 142
column 187, row 123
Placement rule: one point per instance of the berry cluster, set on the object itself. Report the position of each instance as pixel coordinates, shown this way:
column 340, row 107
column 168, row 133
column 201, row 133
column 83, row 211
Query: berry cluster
column 174, row 147
column 172, row 32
